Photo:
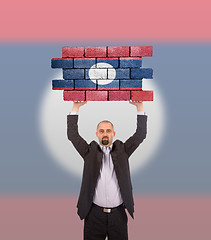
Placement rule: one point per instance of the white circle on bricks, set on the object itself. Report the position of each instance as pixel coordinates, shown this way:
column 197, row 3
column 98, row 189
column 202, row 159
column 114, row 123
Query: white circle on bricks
column 102, row 73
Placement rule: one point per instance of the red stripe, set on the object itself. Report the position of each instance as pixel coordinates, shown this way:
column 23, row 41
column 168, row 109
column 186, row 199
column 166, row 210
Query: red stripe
column 55, row 217
column 82, row 21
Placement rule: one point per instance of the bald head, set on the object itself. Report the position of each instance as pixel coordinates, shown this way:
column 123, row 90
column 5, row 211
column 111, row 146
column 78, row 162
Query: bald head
column 105, row 121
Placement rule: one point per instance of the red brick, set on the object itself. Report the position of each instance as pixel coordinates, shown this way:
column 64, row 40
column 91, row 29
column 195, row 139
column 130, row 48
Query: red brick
column 142, row 95
column 141, row 51
column 95, row 51
column 119, row 95
column 72, row 52
column 74, row 95
column 96, row 95
column 118, row 51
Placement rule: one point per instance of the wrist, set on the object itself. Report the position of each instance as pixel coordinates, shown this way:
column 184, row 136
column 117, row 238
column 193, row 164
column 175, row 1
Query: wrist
column 140, row 109
column 75, row 109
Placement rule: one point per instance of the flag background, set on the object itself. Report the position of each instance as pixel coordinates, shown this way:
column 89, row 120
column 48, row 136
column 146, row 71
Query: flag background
column 172, row 193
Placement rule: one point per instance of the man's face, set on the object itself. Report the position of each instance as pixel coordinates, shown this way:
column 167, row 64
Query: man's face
column 105, row 133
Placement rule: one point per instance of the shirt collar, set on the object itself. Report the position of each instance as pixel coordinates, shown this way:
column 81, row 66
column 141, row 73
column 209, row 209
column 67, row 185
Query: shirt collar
column 103, row 147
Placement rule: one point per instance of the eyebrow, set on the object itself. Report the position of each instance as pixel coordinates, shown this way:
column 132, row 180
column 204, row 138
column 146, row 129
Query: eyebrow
column 104, row 129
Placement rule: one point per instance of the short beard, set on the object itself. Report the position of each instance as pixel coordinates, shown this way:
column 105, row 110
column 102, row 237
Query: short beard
column 105, row 142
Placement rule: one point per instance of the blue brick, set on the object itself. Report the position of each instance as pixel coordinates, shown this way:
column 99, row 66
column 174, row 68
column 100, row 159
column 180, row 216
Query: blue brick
column 113, row 62
column 130, row 84
column 122, row 73
column 63, row 84
column 85, row 84
column 137, row 73
column 130, row 63
column 56, row 63
column 73, row 73
column 84, row 63
column 113, row 85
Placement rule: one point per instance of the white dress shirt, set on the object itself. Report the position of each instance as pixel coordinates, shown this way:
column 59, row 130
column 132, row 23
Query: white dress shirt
column 107, row 192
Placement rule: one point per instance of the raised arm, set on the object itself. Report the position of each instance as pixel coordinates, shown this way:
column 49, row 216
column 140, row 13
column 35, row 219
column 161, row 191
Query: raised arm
column 72, row 130
column 133, row 142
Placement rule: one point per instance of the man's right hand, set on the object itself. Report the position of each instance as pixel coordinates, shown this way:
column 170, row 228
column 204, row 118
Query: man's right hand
column 77, row 105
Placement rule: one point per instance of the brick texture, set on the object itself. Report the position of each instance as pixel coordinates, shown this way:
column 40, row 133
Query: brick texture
column 74, row 95
column 62, row 63
column 72, row 52
column 85, row 85
column 142, row 95
column 96, row 95
column 79, row 64
column 141, row 51
column 119, row 95
column 95, row 51
column 62, row 84
column 118, row 51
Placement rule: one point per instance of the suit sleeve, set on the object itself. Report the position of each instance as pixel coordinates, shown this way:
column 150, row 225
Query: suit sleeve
column 141, row 131
column 73, row 135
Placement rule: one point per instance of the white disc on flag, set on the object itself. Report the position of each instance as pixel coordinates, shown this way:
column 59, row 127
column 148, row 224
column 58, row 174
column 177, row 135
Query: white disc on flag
column 102, row 73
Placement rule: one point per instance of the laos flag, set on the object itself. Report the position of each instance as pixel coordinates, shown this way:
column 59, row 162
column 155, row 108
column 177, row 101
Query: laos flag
column 106, row 53
column 112, row 73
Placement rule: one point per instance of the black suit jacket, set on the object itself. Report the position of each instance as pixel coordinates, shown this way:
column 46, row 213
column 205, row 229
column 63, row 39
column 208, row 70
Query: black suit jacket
column 92, row 155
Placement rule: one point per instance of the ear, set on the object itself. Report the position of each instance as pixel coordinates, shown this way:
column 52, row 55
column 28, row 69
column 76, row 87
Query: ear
column 114, row 134
column 97, row 134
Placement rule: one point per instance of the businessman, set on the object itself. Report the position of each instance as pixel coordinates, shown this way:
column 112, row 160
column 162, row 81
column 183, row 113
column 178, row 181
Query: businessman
column 106, row 189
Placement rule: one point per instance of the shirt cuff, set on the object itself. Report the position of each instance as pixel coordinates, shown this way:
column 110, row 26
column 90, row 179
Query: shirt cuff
column 141, row 113
column 73, row 113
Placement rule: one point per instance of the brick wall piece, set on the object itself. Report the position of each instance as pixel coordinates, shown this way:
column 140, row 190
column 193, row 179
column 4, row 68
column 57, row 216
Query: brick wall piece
column 72, row 52
column 119, row 95
column 62, row 84
column 62, row 63
column 95, row 51
column 114, row 62
column 121, row 73
column 85, row 85
column 73, row 73
column 118, row 51
column 142, row 95
column 114, row 85
column 96, row 73
column 137, row 73
column 130, row 62
column 130, row 84
column 96, row 95
column 74, row 95
column 141, row 51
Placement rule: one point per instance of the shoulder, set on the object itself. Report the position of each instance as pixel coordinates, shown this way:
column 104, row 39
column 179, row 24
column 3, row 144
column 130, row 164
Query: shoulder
column 117, row 144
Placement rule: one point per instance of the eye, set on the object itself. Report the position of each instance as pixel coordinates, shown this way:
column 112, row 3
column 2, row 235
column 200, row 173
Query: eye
column 101, row 131
column 108, row 130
